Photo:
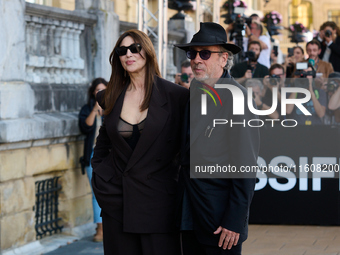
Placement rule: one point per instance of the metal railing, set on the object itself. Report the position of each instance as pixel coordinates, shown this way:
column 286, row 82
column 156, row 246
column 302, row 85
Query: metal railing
column 46, row 207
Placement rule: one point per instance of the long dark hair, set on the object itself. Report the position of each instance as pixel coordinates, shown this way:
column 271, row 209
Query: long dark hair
column 119, row 77
column 92, row 88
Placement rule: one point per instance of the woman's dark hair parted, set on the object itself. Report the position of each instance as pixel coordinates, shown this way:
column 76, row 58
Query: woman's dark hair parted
column 119, row 77
column 299, row 47
column 92, row 88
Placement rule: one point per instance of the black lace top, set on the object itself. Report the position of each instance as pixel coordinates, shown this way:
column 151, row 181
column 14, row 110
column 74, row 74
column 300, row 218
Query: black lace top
column 129, row 132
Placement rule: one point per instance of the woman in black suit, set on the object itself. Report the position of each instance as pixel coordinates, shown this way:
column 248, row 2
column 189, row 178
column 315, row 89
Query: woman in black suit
column 135, row 170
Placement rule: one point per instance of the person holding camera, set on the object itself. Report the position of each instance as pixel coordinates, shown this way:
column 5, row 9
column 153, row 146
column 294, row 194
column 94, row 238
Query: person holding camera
column 334, row 101
column 295, row 55
column 275, row 79
column 90, row 120
column 258, row 92
column 333, row 89
column 318, row 102
column 254, row 33
column 251, row 68
column 329, row 37
column 184, row 78
column 313, row 49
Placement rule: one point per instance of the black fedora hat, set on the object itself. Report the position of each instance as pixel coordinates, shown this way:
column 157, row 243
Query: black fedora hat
column 210, row 34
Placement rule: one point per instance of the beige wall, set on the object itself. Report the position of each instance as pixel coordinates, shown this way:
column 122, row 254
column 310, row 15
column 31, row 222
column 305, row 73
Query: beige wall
column 63, row 4
column 20, row 169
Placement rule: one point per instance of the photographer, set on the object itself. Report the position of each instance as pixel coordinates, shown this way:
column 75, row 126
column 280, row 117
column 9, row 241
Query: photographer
column 316, row 105
column 275, row 79
column 251, row 68
column 333, row 92
column 254, row 33
column 329, row 37
column 261, row 103
column 184, row 78
column 295, row 55
column 313, row 49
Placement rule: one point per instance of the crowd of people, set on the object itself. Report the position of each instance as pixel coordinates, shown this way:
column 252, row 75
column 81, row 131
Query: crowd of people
column 322, row 55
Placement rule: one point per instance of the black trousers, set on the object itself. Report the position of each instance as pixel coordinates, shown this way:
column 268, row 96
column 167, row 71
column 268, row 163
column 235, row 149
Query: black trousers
column 190, row 245
column 117, row 242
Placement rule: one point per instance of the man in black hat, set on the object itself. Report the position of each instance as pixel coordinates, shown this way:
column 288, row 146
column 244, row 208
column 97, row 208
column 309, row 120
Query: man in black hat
column 215, row 209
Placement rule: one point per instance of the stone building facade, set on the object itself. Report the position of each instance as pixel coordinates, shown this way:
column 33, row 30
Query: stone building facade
column 48, row 57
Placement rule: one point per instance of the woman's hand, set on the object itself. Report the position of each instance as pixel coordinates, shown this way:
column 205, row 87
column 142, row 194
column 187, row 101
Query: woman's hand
column 97, row 109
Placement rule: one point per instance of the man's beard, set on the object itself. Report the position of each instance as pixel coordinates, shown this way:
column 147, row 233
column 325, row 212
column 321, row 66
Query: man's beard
column 201, row 79
column 256, row 58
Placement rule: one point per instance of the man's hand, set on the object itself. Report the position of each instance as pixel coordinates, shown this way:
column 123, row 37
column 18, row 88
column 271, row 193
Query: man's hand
column 178, row 78
column 273, row 57
column 248, row 74
column 266, row 82
column 248, row 32
column 329, row 39
column 230, row 27
column 228, row 238
column 322, row 34
column 257, row 100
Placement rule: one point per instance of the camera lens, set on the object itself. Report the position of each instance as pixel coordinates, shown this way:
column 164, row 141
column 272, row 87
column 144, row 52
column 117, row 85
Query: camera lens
column 184, row 77
column 328, row 33
column 272, row 81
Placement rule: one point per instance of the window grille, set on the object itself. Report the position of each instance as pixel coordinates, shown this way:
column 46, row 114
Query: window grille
column 46, row 207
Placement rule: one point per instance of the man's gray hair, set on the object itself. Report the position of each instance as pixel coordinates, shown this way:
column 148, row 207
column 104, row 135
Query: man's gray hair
column 230, row 61
column 254, row 83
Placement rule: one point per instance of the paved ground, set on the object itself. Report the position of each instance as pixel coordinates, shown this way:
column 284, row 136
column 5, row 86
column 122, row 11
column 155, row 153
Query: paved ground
column 262, row 240
column 84, row 246
column 292, row 240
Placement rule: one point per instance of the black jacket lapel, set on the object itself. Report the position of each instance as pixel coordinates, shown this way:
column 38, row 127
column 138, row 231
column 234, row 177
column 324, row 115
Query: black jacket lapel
column 118, row 140
column 154, row 123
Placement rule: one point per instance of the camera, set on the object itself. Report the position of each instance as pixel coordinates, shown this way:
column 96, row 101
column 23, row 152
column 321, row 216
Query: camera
column 300, row 67
column 273, row 79
column 332, row 86
column 290, row 52
column 185, row 77
column 240, row 28
column 304, row 74
column 328, row 33
column 250, row 55
column 275, row 50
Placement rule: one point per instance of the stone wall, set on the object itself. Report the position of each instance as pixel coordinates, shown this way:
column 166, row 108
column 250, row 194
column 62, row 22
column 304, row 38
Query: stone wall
column 48, row 57
column 19, row 170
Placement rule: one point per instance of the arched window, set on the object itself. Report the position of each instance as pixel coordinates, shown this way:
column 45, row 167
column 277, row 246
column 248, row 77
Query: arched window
column 300, row 11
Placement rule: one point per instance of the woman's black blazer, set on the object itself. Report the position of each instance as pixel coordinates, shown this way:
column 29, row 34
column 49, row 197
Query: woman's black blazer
column 139, row 187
